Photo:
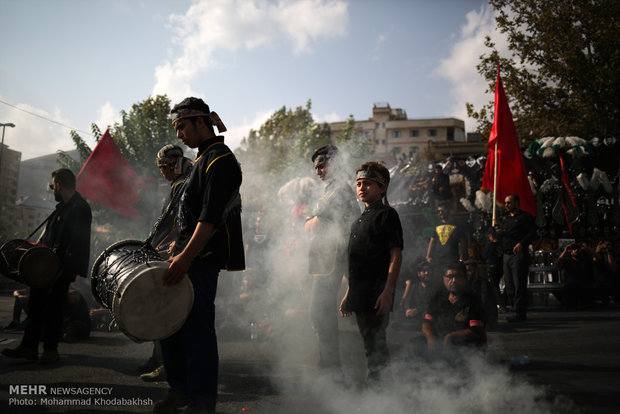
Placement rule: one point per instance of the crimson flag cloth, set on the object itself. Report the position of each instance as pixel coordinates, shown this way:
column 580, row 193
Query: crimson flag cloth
column 107, row 178
column 511, row 172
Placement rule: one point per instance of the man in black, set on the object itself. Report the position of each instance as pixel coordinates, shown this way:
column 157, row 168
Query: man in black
column 328, row 226
column 67, row 232
column 447, row 244
column 455, row 315
column 209, row 239
column 517, row 231
column 175, row 168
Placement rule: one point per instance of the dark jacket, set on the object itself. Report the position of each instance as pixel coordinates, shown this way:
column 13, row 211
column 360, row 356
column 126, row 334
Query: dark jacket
column 214, row 180
column 68, row 233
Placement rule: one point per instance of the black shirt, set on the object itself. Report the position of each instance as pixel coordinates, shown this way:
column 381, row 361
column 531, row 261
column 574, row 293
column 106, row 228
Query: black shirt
column 446, row 246
column 519, row 228
column 372, row 236
column 68, row 233
column 214, row 180
column 446, row 317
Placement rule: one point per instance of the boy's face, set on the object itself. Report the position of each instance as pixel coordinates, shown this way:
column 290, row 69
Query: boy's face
column 368, row 191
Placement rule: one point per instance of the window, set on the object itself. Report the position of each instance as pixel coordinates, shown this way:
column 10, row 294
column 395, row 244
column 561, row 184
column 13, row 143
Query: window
column 395, row 134
column 432, row 132
column 383, row 125
column 376, row 125
column 396, row 150
column 382, row 142
column 414, row 133
column 366, row 134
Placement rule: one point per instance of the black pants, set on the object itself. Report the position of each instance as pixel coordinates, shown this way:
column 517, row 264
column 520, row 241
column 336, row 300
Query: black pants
column 516, row 269
column 372, row 328
column 45, row 315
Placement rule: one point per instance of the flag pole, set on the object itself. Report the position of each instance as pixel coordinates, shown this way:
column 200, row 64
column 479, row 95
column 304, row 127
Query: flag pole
column 494, row 180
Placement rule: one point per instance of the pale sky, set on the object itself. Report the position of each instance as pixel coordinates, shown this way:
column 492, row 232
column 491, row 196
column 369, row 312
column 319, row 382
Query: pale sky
column 76, row 62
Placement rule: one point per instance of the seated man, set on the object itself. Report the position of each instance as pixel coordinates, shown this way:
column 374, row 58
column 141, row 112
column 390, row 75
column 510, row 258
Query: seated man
column 455, row 315
column 420, row 294
column 481, row 286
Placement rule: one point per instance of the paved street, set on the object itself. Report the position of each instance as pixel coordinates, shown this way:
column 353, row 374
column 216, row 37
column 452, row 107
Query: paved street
column 573, row 368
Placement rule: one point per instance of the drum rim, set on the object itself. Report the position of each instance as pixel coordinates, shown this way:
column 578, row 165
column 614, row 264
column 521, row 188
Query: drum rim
column 36, row 249
column 97, row 262
column 185, row 284
column 32, row 247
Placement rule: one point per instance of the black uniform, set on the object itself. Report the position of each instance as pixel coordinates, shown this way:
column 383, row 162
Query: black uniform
column 190, row 355
column 372, row 237
column 68, row 233
column 466, row 313
column 519, row 228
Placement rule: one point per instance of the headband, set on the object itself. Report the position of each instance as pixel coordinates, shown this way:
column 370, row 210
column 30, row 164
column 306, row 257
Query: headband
column 369, row 175
column 320, row 159
column 192, row 113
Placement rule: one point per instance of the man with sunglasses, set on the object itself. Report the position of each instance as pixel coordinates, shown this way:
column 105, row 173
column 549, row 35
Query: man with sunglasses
column 517, row 231
column 455, row 314
column 67, row 232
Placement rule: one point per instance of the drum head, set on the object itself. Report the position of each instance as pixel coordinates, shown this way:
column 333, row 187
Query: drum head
column 39, row 267
column 94, row 272
column 146, row 310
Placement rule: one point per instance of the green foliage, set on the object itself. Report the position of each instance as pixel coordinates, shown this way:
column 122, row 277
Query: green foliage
column 562, row 75
column 281, row 149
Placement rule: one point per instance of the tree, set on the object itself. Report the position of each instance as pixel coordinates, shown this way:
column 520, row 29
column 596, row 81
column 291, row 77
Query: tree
column 142, row 132
column 561, row 77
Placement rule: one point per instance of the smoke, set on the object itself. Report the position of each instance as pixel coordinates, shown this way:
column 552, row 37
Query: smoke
column 269, row 303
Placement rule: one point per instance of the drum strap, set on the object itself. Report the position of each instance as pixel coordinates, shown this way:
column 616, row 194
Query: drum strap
column 41, row 225
column 174, row 200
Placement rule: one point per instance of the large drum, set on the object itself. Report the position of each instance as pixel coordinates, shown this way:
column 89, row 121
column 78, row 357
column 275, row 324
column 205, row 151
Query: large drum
column 127, row 278
column 32, row 264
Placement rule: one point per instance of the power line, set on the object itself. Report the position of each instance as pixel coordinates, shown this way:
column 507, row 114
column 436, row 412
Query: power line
column 47, row 119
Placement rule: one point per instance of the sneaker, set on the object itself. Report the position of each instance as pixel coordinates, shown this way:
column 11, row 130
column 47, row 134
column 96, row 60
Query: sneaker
column 157, row 374
column 171, row 402
column 49, row 356
column 21, row 352
column 148, row 366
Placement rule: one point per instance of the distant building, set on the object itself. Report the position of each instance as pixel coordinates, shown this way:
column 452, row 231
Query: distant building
column 391, row 134
column 9, row 176
column 35, row 201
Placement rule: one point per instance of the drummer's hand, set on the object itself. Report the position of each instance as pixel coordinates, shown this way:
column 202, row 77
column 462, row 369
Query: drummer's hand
column 179, row 266
column 170, row 249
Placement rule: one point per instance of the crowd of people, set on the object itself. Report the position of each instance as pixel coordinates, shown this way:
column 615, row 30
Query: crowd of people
column 449, row 297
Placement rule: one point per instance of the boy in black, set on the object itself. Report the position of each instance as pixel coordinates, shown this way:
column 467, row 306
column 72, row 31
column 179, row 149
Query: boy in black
column 375, row 256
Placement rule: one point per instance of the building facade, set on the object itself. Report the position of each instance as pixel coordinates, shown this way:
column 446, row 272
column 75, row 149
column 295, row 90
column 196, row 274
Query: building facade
column 9, row 178
column 392, row 134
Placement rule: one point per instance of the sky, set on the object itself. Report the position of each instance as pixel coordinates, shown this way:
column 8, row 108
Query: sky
column 69, row 63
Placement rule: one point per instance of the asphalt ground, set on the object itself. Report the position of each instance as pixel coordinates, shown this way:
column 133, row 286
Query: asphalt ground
column 572, row 366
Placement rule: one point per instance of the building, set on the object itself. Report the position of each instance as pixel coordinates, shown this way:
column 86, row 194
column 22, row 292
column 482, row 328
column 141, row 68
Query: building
column 9, row 177
column 391, row 134
column 35, row 201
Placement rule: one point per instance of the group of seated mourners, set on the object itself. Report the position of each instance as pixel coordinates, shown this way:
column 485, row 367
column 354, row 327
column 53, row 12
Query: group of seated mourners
column 454, row 306
column 457, row 303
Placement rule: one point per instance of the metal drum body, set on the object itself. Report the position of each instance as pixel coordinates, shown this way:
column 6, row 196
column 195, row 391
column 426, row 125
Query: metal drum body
column 127, row 279
column 32, row 264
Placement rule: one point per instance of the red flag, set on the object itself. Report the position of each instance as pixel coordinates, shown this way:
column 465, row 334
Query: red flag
column 511, row 173
column 107, row 178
